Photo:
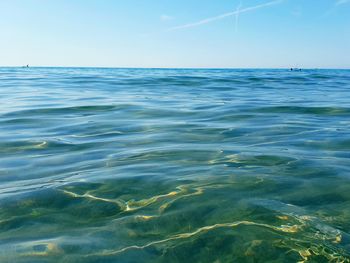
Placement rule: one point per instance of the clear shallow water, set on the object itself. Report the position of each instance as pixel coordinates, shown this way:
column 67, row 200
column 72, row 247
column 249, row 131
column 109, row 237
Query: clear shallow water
column 132, row 165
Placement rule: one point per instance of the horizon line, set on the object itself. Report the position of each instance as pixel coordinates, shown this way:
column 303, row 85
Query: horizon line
column 129, row 67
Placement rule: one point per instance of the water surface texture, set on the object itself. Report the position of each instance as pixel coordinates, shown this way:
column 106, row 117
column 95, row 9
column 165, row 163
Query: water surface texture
column 149, row 165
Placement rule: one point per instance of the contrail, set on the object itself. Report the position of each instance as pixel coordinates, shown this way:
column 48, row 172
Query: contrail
column 235, row 13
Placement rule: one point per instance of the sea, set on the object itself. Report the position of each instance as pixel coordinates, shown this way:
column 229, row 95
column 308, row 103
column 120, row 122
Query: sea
column 174, row 165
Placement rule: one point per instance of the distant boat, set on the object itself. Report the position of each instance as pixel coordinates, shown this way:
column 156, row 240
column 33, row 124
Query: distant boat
column 295, row 69
column 27, row 66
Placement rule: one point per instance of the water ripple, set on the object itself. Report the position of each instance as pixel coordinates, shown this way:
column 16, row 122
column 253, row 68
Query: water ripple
column 165, row 165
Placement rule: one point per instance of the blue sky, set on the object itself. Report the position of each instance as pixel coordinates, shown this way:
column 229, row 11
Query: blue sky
column 176, row 33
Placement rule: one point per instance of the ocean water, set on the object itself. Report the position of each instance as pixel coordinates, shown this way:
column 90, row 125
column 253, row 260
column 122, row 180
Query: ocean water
column 151, row 165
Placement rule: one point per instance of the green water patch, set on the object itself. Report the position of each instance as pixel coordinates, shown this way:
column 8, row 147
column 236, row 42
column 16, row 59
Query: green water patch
column 167, row 220
column 327, row 111
column 240, row 160
column 87, row 109
column 335, row 144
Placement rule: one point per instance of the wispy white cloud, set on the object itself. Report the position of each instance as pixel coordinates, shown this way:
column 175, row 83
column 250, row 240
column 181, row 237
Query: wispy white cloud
column 341, row 2
column 234, row 13
column 166, row 18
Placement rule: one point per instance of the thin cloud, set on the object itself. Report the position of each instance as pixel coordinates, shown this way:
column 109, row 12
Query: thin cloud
column 342, row 2
column 297, row 12
column 166, row 17
column 235, row 13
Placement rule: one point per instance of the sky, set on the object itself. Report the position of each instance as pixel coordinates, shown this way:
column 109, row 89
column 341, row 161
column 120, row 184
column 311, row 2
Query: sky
column 176, row 33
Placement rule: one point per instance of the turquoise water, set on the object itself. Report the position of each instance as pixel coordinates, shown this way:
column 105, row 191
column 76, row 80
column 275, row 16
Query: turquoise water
column 149, row 165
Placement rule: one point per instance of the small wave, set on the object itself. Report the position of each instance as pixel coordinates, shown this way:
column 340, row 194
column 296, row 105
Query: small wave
column 333, row 111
